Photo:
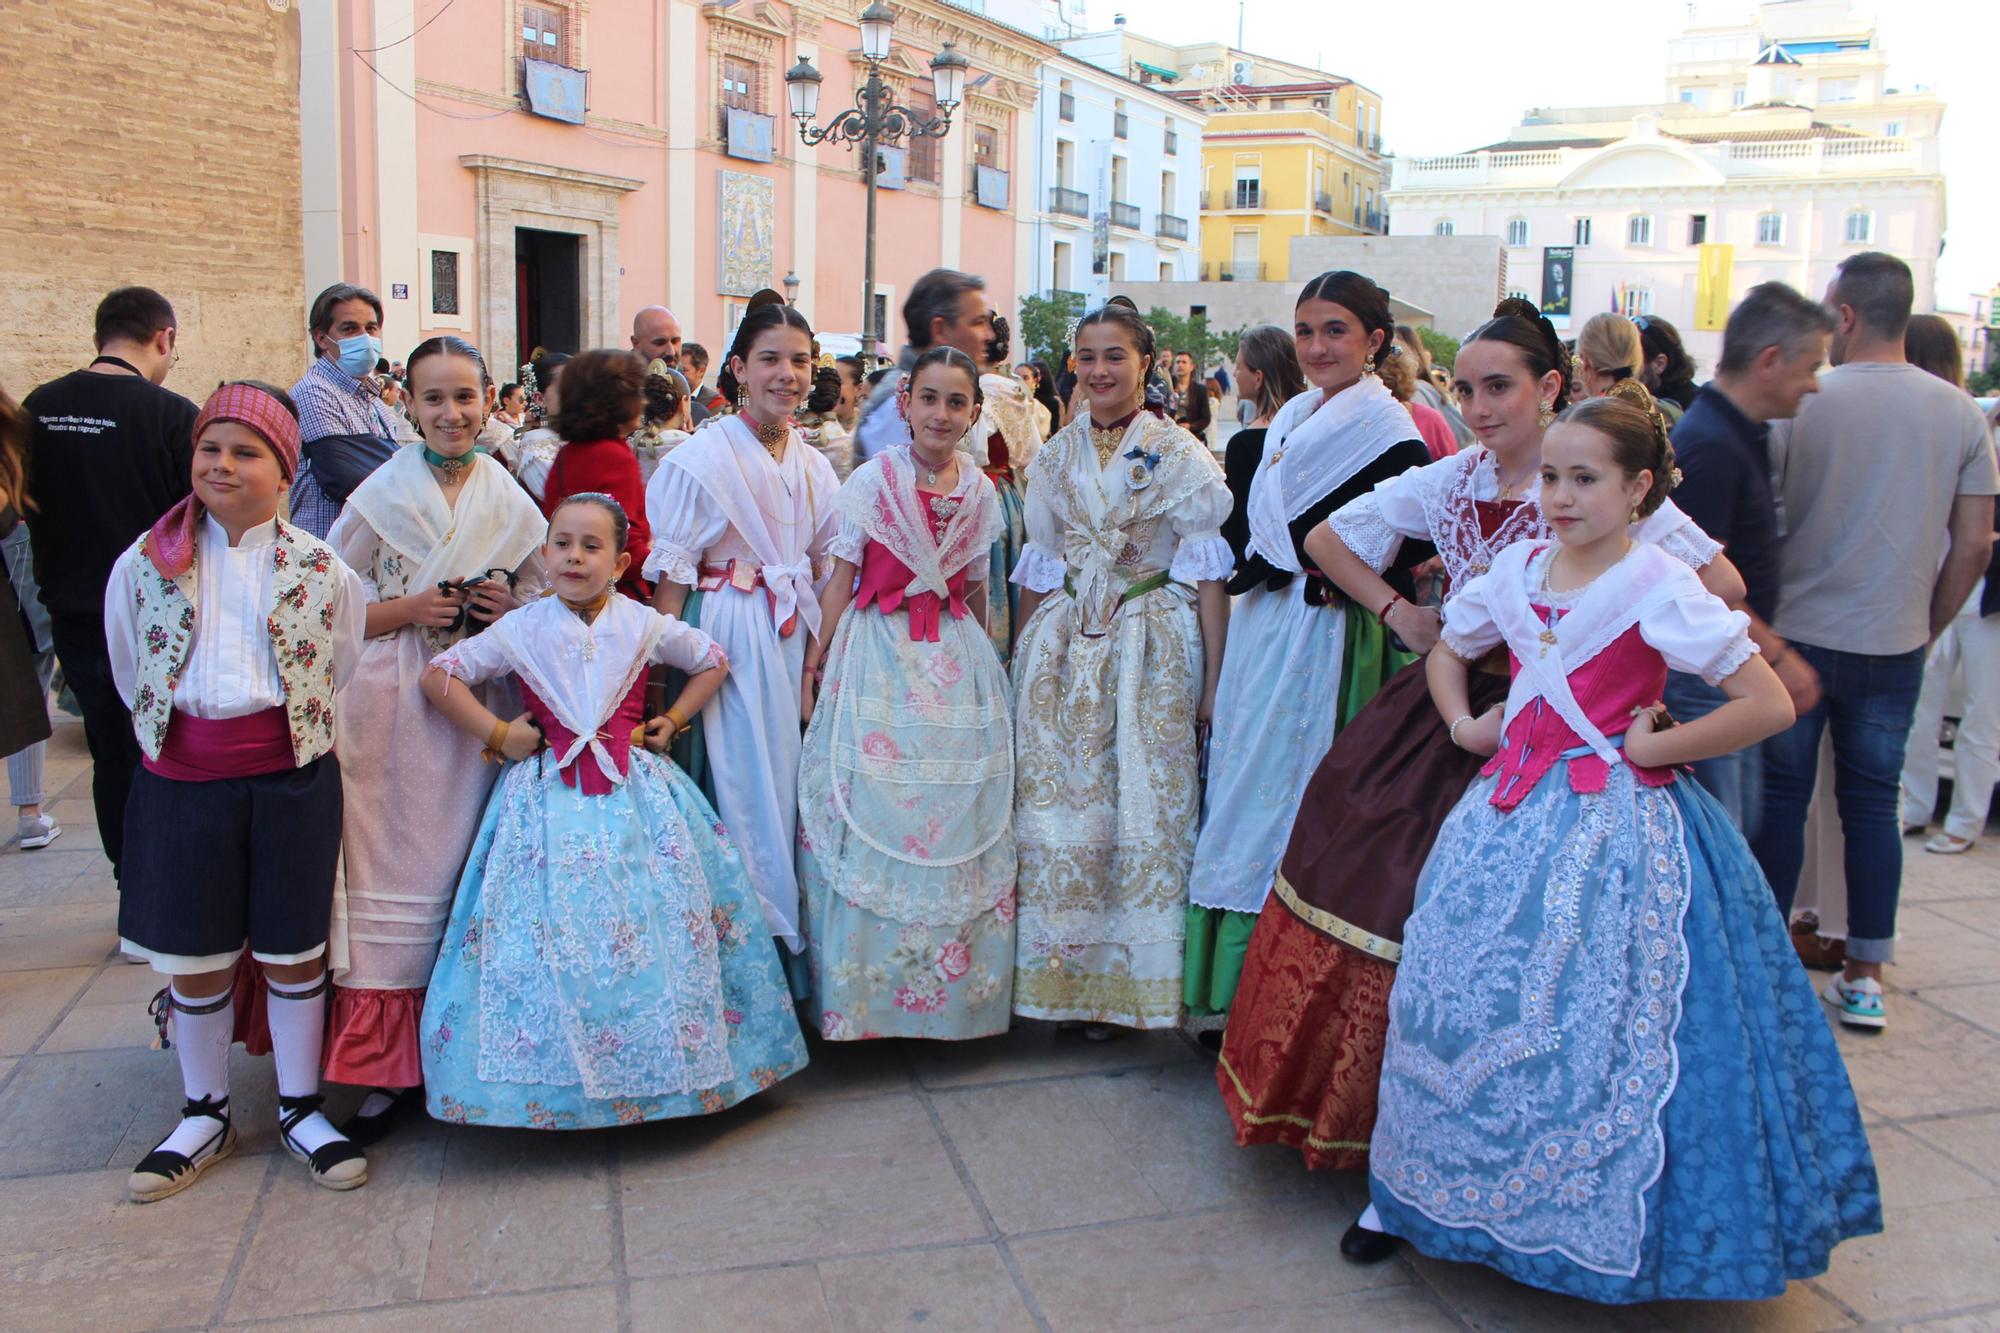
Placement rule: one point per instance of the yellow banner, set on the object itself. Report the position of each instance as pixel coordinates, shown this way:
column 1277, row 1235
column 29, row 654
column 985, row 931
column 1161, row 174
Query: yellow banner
column 1711, row 290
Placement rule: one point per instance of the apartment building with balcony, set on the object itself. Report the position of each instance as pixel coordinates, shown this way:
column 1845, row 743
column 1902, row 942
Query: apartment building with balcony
column 530, row 173
column 1287, row 151
column 1779, row 150
column 1118, row 183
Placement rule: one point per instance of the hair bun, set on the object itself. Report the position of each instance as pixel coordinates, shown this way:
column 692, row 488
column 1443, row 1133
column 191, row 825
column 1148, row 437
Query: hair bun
column 1631, row 391
column 1517, row 305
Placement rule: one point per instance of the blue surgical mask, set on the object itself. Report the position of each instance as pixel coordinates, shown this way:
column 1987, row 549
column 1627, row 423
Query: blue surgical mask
column 358, row 355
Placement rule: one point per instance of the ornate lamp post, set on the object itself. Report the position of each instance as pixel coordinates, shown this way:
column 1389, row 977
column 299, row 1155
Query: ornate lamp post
column 875, row 120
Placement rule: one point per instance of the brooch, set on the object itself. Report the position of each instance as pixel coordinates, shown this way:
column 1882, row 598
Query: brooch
column 1139, row 471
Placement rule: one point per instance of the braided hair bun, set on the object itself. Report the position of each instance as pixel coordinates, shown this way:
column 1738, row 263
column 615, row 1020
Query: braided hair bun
column 1637, row 431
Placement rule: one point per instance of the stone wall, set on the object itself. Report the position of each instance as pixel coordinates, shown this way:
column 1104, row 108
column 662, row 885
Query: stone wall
column 1457, row 278
column 154, row 144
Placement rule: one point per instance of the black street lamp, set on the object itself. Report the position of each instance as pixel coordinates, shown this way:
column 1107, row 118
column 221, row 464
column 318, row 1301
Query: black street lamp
column 875, row 120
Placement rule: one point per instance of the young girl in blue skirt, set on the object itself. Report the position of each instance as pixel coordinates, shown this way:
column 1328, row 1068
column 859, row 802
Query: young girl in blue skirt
column 1606, row 1073
column 606, row 961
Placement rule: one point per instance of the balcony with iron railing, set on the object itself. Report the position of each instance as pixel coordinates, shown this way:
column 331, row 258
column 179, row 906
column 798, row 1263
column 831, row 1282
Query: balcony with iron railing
column 1323, row 202
column 1233, row 272
column 1125, row 215
column 1170, row 228
column 1072, row 203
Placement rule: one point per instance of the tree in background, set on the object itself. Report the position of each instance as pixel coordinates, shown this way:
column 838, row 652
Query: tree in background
column 1442, row 347
column 1045, row 325
column 1190, row 333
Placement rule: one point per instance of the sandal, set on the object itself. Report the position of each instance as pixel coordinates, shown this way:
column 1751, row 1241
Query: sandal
column 338, row 1164
column 164, row 1172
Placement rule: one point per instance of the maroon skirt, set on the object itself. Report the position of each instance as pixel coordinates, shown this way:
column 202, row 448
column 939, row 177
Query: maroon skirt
column 1302, row 1054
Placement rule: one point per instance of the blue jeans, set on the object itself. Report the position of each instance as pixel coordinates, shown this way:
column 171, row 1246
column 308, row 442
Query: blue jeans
column 1868, row 702
column 1736, row 781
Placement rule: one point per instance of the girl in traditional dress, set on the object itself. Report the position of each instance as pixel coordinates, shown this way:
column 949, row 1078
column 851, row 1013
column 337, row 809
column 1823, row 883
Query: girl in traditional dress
column 1302, row 1051
column 906, row 793
column 1606, row 1074
column 606, row 961
column 742, row 513
column 1122, row 620
column 1302, row 658
column 445, row 543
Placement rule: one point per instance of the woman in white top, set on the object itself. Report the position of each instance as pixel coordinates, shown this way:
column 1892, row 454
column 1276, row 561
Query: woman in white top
column 1123, row 613
column 741, row 516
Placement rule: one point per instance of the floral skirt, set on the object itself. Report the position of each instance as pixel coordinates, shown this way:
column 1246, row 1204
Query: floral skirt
column 1606, row 1074
column 1303, row 1049
column 606, row 962
column 873, row 977
column 1105, row 809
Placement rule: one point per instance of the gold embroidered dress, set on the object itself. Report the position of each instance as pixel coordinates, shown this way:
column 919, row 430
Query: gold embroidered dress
column 1121, row 525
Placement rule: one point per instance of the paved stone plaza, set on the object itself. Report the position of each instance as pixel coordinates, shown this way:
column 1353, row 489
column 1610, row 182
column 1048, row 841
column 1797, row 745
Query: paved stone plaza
column 1026, row 1181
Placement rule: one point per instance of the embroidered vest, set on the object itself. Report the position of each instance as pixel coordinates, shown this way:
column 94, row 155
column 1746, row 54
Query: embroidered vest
column 300, row 626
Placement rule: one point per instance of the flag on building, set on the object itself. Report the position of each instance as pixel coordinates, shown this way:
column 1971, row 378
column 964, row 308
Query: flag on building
column 1711, row 287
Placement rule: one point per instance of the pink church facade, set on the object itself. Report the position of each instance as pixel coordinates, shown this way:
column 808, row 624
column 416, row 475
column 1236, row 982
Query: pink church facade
column 642, row 154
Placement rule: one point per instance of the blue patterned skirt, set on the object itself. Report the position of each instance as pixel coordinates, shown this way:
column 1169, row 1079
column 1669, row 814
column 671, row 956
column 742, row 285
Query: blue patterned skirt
column 606, row 962
column 1607, row 1073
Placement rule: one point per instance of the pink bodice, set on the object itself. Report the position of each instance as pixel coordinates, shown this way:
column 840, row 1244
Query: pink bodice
column 884, row 577
column 616, row 737
column 1628, row 674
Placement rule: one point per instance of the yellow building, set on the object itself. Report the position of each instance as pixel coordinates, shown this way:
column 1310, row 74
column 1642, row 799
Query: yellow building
column 1288, row 150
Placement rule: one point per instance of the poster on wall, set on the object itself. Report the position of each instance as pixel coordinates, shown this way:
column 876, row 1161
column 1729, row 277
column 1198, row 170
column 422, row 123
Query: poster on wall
column 1558, row 280
column 743, row 260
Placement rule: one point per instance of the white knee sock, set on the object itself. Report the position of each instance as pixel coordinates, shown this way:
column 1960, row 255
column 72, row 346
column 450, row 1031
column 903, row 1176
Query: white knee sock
column 1370, row 1220
column 202, row 1042
column 298, row 1035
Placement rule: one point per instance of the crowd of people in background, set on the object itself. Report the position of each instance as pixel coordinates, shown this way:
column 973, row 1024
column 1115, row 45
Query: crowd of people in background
column 1434, row 739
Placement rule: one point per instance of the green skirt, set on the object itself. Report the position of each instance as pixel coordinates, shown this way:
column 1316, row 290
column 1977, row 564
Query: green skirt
column 1218, row 939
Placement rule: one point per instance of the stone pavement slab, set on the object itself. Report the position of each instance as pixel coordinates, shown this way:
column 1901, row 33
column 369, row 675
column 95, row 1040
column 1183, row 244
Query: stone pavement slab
column 1034, row 1180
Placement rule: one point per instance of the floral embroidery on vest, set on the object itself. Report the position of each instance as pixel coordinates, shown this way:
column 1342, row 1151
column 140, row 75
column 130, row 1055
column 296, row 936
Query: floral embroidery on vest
column 300, row 626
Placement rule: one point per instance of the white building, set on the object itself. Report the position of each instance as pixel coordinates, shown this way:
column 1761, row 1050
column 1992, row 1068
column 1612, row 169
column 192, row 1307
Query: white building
column 1779, row 151
column 1117, row 184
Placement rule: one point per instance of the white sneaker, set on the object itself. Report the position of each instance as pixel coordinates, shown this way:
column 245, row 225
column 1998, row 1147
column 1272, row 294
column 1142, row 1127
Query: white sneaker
column 38, row 831
column 1858, row 1001
column 1943, row 844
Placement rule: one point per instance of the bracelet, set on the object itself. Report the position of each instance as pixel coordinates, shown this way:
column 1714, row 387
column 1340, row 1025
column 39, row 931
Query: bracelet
column 680, row 725
column 1387, row 607
column 496, row 741
column 1452, row 730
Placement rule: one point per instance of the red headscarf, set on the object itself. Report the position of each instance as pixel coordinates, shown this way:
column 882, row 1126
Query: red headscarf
column 170, row 544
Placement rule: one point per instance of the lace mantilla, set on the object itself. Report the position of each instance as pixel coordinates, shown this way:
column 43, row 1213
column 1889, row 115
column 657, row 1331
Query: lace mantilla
column 1453, row 516
column 1531, row 1047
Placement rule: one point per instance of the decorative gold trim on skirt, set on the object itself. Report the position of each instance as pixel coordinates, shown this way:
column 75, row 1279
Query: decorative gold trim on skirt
column 1346, row 932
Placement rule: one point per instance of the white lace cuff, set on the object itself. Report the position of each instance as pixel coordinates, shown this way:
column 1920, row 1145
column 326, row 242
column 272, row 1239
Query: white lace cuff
column 1202, row 556
column 672, row 564
column 847, row 543
column 1361, row 526
column 1692, row 547
column 1038, row 571
column 1465, row 647
column 1730, row 660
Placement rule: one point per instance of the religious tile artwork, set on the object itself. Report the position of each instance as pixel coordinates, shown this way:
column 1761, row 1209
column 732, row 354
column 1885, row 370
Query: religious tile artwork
column 743, row 259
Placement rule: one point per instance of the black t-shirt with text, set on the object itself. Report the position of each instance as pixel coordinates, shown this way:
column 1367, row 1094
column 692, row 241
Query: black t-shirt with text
column 108, row 455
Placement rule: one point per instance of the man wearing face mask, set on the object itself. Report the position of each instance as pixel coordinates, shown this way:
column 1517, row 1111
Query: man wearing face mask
column 345, row 428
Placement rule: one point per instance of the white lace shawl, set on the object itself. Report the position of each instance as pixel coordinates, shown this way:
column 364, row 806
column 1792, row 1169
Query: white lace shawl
column 1644, row 586
column 493, row 526
column 581, row 670
column 1314, row 445
column 881, row 498
column 719, row 458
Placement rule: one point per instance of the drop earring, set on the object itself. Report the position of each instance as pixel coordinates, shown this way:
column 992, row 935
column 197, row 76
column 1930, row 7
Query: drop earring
column 1368, row 366
column 1548, row 414
column 742, row 397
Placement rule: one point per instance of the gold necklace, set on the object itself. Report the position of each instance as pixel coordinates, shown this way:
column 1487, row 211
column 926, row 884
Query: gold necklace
column 1106, row 443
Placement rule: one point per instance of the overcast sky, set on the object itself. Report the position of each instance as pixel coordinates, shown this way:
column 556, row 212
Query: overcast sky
column 1455, row 74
